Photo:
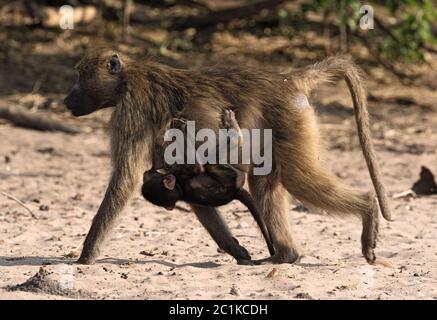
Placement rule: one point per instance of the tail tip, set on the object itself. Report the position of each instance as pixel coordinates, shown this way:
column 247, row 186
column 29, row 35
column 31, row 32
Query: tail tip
column 387, row 215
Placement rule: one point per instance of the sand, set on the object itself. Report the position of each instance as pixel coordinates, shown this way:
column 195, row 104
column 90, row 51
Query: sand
column 157, row 254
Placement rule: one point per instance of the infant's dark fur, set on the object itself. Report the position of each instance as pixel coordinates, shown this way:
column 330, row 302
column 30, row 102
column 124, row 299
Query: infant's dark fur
column 215, row 185
column 211, row 185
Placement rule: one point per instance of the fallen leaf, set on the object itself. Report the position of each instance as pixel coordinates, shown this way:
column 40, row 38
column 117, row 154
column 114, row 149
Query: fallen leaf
column 272, row 273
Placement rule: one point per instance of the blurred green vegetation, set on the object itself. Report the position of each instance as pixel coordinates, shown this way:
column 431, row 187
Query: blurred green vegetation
column 409, row 28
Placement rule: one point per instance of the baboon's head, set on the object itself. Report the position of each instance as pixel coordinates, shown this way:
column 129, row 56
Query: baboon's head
column 161, row 189
column 100, row 83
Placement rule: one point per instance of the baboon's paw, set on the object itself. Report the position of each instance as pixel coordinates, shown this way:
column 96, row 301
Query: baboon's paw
column 368, row 245
column 244, row 262
column 243, row 254
column 369, row 238
column 369, row 255
column 278, row 259
column 238, row 252
column 86, row 260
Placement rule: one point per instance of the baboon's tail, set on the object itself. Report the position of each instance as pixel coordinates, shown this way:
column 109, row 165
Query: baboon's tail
column 329, row 69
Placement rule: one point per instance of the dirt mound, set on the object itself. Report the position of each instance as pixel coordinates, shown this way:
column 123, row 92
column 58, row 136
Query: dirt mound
column 40, row 283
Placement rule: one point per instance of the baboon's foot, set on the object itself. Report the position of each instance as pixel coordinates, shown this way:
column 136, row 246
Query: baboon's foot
column 87, row 257
column 281, row 257
column 244, row 262
column 369, row 238
column 368, row 245
column 86, row 260
column 369, row 255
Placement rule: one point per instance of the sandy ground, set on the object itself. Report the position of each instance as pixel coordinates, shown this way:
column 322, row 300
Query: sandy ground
column 157, row 254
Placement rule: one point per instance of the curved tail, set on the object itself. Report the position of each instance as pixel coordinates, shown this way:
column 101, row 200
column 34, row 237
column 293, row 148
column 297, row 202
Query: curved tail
column 306, row 79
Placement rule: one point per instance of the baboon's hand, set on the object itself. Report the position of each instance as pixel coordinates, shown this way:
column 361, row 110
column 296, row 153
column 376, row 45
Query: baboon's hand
column 241, row 253
column 229, row 121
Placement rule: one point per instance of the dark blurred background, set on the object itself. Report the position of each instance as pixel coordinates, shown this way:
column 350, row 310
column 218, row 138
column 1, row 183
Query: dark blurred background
column 40, row 44
column 37, row 55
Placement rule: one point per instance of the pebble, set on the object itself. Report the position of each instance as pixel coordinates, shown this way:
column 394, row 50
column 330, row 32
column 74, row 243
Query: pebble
column 235, row 291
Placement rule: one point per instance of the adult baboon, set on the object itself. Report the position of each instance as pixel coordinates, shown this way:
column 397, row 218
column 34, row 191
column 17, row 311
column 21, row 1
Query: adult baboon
column 147, row 95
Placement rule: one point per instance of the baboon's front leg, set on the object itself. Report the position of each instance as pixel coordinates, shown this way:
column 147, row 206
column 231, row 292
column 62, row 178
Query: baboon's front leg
column 119, row 191
column 214, row 223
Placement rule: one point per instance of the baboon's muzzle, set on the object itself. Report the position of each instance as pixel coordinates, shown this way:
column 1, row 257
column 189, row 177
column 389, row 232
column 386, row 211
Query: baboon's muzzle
column 79, row 103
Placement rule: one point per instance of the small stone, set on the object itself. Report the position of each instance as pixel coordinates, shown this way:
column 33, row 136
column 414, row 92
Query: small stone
column 44, row 207
column 77, row 196
column 304, row 295
column 242, row 225
column 235, row 291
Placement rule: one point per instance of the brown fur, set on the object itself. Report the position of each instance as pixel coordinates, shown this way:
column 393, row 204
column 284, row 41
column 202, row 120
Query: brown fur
column 148, row 95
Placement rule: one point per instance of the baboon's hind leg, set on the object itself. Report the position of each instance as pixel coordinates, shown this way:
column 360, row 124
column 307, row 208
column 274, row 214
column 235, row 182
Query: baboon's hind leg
column 272, row 201
column 312, row 185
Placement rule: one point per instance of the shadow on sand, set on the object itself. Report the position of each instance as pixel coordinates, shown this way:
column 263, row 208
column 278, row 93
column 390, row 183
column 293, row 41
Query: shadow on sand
column 38, row 261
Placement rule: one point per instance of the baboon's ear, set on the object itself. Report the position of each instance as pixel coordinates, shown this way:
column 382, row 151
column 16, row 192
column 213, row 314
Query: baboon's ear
column 239, row 182
column 169, row 181
column 114, row 64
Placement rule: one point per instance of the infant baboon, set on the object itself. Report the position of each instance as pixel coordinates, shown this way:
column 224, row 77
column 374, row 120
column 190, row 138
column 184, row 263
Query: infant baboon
column 147, row 95
column 207, row 185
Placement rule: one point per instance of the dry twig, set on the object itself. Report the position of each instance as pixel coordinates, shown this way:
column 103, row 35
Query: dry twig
column 7, row 195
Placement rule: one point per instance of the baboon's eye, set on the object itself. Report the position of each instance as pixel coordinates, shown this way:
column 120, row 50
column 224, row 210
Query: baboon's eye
column 114, row 64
